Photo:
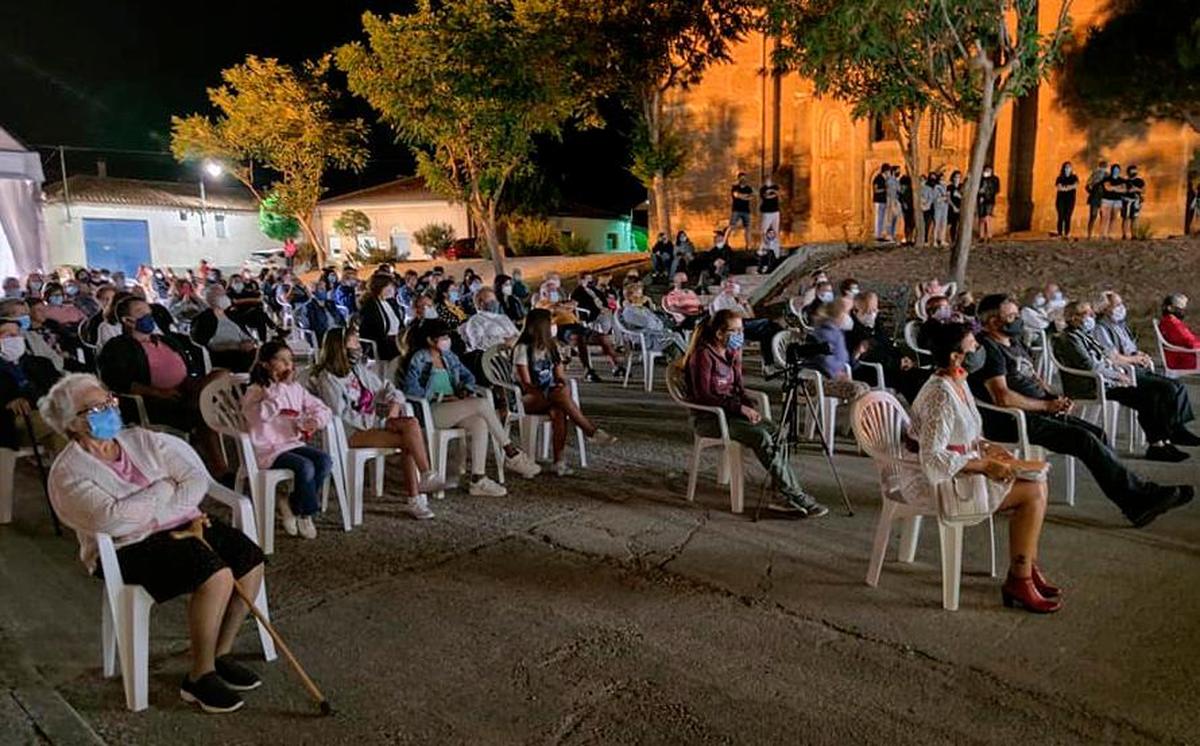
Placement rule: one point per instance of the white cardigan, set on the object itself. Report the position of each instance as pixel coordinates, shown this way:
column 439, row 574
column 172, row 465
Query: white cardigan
column 89, row 497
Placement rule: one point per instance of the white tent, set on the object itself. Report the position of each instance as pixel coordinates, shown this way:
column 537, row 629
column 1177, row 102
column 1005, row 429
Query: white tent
column 22, row 232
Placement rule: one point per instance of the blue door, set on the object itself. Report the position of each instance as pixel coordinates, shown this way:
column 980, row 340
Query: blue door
column 116, row 244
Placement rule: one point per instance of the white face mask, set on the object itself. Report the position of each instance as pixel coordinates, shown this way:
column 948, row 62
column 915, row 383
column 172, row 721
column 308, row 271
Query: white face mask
column 1039, row 301
column 506, row 290
column 12, row 349
column 1119, row 312
column 443, row 344
column 223, row 302
column 554, row 330
column 868, row 319
column 430, row 312
column 845, row 323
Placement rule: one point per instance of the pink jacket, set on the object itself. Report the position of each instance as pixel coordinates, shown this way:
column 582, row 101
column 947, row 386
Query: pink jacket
column 271, row 432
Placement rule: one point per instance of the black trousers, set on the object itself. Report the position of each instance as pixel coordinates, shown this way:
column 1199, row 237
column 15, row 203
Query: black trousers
column 1083, row 440
column 1162, row 404
column 1065, row 208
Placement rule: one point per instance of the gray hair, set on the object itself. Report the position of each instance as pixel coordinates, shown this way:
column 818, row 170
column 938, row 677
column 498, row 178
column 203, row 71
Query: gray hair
column 211, row 290
column 59, row 406
column 1106, row 302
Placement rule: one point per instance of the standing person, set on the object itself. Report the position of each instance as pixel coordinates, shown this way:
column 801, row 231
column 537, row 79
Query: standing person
column 909, row 202
column 926, row 198
column 894, row 208
column 1095, row 193
column 941, row 212
column 713, row 371
column 1112, row 192
column 281, row 416
column 1064, row 201
column 768, row 207
column 989, row 191
column 955, row 193
column 1191, row 208
column 538, row 370
column 739, row 211
column 1131, row 203
column 879, row 199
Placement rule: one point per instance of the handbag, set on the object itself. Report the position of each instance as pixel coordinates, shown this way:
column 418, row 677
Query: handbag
column 963, row 498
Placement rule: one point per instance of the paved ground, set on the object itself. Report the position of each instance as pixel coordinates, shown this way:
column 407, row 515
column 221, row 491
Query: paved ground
column 604, row 609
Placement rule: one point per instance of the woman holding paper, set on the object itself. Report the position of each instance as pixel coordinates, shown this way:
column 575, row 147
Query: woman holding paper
column 967, row 475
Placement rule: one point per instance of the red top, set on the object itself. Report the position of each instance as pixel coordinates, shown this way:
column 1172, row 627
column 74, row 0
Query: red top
column 714, row 379
column 1177, row 333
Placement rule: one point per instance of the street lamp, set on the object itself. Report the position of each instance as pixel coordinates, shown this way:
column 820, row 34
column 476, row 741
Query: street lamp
column 213, row 169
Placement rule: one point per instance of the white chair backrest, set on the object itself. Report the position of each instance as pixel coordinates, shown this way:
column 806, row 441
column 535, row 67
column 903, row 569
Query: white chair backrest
column 780, row 342
column 910, row 336
column 221, row 406
column 497, row 365
column 879, row 421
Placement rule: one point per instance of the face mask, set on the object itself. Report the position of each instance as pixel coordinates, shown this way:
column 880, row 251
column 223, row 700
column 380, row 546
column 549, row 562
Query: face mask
column 1039, row 301
column 388, row 293
column 736, row 341
column 72, row 290
column 145, row 324
column 852, row 292
column 1118, row 313
column 868, row 319
column 320, row 295
column 1067, row 171
column 554, row 330
column 1014, row 328
column 105, row 424
column 1058, row 296
column 331, row 279
column 223, row 302
column 554, row 296
column 236, row 287
column 453, row 296
column 212, row 277
column 475, row 285
column 443, row 344
column 1089, row 323
column 35, row 285
column 974, row 360
column 826, row 297
column 12, row 349
column 55, row 300
column 353, row 354
column 430, row 312
column 492, row 306
column 944, row 313
column 506, row 290
column 24, row 322
column 12, row 293
column 845, row 323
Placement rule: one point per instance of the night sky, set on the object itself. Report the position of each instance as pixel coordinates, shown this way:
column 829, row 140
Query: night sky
column 110, row 73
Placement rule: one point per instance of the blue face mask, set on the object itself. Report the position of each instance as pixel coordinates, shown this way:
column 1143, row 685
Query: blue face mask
column 736, row 341
column 320, row 295
column 105, row 424
column 453, row 296
column 145, row 324
column 24, row 322
column 55, row 300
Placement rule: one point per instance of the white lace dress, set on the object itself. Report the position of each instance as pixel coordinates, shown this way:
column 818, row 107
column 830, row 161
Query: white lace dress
column 945, row 422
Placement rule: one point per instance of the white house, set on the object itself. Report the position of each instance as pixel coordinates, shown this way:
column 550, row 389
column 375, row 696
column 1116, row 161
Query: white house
column 396, row 209
column 605, row 231
column 122, row 223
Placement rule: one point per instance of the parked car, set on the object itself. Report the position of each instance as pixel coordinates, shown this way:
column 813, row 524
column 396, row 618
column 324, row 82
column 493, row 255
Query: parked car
column 265, row 259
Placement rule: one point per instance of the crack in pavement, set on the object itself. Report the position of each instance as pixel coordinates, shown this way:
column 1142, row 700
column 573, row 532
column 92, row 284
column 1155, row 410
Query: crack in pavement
column 674, row 552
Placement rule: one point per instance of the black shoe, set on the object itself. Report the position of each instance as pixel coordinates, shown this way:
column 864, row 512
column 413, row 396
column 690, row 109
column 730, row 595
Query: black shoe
column 807, row 503
column 1166, row 452
column 1185, row 437
column 235, row 675
column 592, row 377
column 619, row 371
column 1168, row 498
column 210, row 693
column 783, row 509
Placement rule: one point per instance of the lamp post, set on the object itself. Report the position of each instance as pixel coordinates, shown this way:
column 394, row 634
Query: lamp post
column 213, row 169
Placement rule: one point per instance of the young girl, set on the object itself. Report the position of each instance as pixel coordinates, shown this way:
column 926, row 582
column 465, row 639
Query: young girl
column 538, row 369
column 281, row 416
column 369, row 407
column 435, row 373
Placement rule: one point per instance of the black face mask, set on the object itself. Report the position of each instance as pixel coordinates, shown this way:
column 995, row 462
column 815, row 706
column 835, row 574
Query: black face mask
column 1014, row 328
column 974, row 360
column 1178, row 313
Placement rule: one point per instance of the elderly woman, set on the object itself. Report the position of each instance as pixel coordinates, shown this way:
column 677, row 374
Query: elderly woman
column 140, row 486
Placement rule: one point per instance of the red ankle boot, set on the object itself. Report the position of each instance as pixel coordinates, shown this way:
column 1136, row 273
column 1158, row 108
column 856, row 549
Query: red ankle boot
column 1023, row 593
column 1043, row 584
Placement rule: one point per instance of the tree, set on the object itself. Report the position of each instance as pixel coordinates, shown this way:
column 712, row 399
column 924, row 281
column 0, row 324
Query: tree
column 435, row 238
column 353, row 224
column 850, row 55
column 280, row 119
column 644, row 50
column 470, row 85
column 275, row 226
column 1143, row 63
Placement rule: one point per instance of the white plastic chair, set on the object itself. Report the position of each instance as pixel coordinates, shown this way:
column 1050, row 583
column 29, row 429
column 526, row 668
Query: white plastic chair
column 125, row 610
column 911, row 330
column 1098, row 410
column 730, row 469
column 303, row 343
column 350, row 467
column 796, row 307
column 636, row 341
column 438, row 439
column 8, row 469
column 533, row 429
column 879, row 421
column 1031, row 452
column 1164, row 347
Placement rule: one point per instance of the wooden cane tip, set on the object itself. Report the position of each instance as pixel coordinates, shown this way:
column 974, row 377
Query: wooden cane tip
column 326, row 708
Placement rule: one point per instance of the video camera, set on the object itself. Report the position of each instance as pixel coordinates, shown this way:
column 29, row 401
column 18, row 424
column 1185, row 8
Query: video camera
column 798, row 352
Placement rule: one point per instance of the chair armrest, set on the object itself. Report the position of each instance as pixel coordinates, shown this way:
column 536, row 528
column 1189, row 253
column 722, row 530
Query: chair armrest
column 1017, row 414
column 243, row 511
column 880, row 384
column 139, row 406
column 762, row 400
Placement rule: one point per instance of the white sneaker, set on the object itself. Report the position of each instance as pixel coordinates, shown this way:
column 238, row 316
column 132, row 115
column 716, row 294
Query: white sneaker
column 287, row 517
column 431, row 482
column 561, row 469
column 307, row 529
column 484, row 487
column 602, row 438
column 523, row 465
column 418, row 508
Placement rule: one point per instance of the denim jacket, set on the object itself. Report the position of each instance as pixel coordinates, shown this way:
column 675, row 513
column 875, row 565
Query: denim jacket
column 416, row 378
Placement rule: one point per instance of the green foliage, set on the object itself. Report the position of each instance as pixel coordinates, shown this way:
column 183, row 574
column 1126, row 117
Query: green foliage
column 273, row 225
column 667, row 157
column 641, row 239
column 378, row 255
column 435, row 238
column 279, row 119
column 352, row 224
column 534, row 237
column 1143, row 63
column 575, row 245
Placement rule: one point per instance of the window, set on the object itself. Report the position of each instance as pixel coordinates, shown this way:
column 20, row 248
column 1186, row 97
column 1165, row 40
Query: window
column 884, row 128
column 219, row 222
column 611, row 242
column 183, row 215
column 335, row 243
column 937, row 128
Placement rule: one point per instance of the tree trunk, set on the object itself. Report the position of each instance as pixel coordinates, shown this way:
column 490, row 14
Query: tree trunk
column 652, row 111
column 966, row 224
column 318, row 247
column 491, row 236
column 912, row 161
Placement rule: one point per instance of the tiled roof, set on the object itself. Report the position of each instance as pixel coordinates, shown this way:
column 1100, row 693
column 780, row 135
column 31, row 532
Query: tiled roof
column 103, row 190
column 408, row 188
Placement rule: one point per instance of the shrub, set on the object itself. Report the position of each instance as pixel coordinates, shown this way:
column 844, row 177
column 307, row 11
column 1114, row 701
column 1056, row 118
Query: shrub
column 575, row 245
column 435, row 238
column 1142, row 231
column 534, row 237
column 378, row 255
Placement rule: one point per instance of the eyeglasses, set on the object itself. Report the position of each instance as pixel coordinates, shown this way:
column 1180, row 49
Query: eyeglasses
column 110, row 403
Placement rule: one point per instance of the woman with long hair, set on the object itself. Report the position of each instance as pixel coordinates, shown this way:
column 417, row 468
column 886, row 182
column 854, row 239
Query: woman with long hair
column 713, row 370
column 380, row 317
column 538, row 370
column 1065, row 187
column 370, row 409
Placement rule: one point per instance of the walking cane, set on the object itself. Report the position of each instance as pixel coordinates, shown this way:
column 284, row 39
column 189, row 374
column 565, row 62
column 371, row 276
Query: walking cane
column 195, row 530
column 37, row 457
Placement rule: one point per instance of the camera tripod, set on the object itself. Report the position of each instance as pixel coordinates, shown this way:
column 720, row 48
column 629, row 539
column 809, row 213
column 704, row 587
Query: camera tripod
column 789, row 430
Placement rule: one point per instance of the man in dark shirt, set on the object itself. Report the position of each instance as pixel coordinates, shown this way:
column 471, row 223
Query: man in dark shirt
column 989, row 191
column 739, row 212
column 768, row 207
column 1131, row 204
column 661, row 254
column 879, row 199
column 1112, row 199
column 1008, row 378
